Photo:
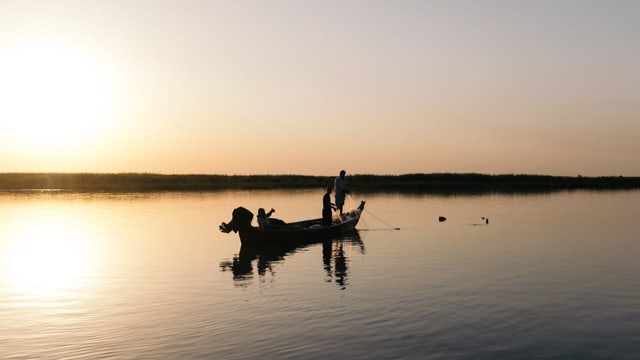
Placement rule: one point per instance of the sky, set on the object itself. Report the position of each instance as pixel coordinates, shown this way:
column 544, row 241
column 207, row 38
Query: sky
column 313, row 87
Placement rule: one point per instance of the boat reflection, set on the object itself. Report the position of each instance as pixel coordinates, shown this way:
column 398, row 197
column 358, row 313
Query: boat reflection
column 251, row 260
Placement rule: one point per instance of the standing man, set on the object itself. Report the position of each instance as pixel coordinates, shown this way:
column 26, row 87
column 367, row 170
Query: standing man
column 341, row 190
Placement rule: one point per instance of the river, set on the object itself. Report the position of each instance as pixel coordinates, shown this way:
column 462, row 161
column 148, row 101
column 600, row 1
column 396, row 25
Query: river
column 149, row 276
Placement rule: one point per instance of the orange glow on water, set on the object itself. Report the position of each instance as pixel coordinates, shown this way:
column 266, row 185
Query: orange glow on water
column 46, row 257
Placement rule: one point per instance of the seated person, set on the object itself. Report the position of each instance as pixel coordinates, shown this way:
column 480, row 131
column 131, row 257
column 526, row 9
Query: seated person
column 265, row 220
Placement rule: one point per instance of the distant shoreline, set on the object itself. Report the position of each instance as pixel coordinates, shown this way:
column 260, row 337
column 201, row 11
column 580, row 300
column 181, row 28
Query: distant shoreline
column 440, row 183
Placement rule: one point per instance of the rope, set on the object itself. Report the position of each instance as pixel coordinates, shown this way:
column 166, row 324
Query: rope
column 372, row 214
column 382, row 221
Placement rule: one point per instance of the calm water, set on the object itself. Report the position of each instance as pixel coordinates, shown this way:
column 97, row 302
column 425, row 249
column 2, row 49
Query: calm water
column 150, row 277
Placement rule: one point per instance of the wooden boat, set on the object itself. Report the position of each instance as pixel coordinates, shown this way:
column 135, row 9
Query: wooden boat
column 295, row 232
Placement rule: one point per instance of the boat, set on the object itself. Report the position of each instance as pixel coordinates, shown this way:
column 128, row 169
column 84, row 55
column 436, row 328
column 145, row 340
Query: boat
column 295, row 232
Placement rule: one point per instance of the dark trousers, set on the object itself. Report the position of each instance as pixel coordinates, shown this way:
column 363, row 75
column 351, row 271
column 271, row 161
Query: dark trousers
column 326, row 216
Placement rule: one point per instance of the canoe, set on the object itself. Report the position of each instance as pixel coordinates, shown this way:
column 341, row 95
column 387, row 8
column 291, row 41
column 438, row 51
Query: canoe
column 295, row 232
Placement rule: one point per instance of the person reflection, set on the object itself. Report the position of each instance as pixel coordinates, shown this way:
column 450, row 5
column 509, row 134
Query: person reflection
column 334, row 259
column 340, row 266
column 339, row 269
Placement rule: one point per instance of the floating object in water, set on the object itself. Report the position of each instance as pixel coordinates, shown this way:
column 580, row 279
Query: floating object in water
column 442, row 218
column 486, row 220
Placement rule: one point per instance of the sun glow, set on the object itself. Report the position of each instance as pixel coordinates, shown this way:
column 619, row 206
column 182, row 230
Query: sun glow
column 53, row 96
column 46, row 257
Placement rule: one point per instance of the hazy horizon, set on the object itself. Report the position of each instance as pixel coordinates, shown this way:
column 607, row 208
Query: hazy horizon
column 309, row 88
column 461, row 174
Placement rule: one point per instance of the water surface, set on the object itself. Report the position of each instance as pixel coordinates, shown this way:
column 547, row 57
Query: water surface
column 150, row 277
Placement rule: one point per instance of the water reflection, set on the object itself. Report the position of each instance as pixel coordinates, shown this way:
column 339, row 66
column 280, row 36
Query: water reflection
column 45, row 257
column 335, row 261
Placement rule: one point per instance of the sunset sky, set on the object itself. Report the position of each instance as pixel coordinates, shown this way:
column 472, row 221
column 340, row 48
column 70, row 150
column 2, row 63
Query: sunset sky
column 312, row 87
